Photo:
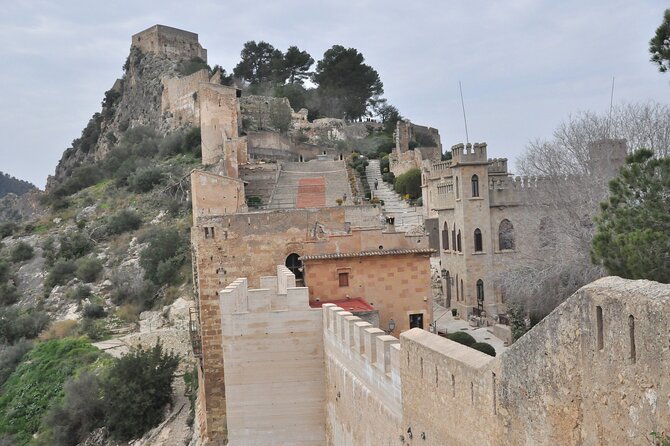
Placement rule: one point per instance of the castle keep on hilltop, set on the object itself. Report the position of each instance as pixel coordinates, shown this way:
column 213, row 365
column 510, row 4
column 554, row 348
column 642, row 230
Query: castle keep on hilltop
column 329, row 347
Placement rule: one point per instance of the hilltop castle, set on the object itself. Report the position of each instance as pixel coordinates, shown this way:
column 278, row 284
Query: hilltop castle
column 328, row 347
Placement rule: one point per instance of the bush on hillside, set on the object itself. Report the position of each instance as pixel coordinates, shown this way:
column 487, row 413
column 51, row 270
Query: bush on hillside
column 9, row 295
column 38, row 382
column 123, row 221
column 74, row 245
column 143, row 180
column 462, row 338
column 484, row 347
column 164, row 256
column 18, row 324
column 88, row 269
column 11, row 356
column 22, row 251
column 80, row 412
column 7, row 228
column 137, row 390
column 94, row 311
column 61, row 273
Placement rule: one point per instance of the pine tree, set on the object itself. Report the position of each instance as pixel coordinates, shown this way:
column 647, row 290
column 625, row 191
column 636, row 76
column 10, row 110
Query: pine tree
column 633, row 235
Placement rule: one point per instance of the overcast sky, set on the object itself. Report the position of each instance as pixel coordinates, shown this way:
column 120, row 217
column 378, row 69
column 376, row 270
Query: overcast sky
column 524, row 65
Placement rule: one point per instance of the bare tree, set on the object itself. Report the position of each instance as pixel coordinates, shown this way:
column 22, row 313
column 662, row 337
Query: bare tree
column 575, row 167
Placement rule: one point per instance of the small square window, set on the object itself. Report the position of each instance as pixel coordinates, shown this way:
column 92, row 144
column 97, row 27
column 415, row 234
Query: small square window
column 344, row 279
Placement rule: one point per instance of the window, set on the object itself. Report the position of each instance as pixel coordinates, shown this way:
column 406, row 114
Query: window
column 475, row 186
column 453, row 237
column 462, row 295
column 506, row 235
column 478, row 240
column 458, row 241
column 599, row 327
column 344, row 279
column 458, row 295
column 480, row 291
column 457, row 196
column 209, row 232
column 445, row 237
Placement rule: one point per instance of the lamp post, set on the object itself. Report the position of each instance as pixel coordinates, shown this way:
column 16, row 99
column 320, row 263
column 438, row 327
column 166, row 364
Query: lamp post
column 391, row 326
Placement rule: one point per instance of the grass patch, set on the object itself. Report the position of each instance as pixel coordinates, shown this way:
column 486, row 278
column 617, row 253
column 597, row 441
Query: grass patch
column 38, row 383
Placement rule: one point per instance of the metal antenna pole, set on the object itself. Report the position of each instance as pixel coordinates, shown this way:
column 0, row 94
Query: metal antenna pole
column 465, row 121
column 609, row 120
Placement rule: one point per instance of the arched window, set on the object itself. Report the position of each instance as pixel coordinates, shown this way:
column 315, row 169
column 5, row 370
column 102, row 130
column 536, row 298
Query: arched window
column 478, row 240
column 506, row 235
column 457, row 196
column 462, row 295
column 445, row 237
column 458, row 295
column 453, row 237
column 480, row 291
column 458, row 241
column 294, row 264
column 475, row 186
column 448, row 281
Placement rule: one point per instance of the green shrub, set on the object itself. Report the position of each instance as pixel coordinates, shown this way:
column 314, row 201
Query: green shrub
column 94, row 329
column 164, row 256
column 22, row 251
column 49, row 251
column 7, row 228
column 137, row 390
column 74, row 245
column 88, row 269
column 38, row 382
column 192, row 142
column 388, row 177
column 94, row 311
column 462, row 338
column 18, row 324
column 145, row 179
column 484, row 347
column 10, row 357
column 80, row 178
column 80, row 412
column 409, row 183
column 123, row 221
column 9, row 295
column 62, row 272
column 79, row 293
column 188, row 67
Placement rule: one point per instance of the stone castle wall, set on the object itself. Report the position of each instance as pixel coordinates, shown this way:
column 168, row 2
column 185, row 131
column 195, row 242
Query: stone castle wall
column 171, row 42
column 273, row 363
column 180, row 98
column 594, row 372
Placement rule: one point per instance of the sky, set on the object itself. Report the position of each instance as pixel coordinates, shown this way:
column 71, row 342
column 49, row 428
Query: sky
column 524, row 65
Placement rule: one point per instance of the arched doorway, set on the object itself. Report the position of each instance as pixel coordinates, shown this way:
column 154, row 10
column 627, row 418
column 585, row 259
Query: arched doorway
column 294, row 264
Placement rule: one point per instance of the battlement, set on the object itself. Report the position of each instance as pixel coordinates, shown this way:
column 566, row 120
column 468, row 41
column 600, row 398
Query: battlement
column 497, row 165
column 277, row 293
column 440, row 169
column 469, row 153
column 170, row 42
column 508, row 190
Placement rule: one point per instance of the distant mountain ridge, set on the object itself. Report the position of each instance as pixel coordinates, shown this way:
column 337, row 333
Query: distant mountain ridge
column 11, row 185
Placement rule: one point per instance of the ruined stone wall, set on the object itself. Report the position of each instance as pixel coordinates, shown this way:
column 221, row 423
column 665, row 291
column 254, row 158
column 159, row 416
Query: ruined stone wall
column 261, row 180
column 395, row 285
column 273, row 362
column 219, row 120
column 363, row 391
column 171, row 42
column 180, row 98
column 594, row 372
column 265, row 113
column 215, row 194
column 404, row 161
column 276, row 146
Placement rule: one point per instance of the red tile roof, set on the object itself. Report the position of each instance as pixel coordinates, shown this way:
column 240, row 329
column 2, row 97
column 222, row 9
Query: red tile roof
column 355, row 305
column 382, row 252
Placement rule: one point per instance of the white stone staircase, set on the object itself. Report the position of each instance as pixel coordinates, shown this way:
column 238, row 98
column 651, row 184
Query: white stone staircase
column 406, row 217
column 333, row 172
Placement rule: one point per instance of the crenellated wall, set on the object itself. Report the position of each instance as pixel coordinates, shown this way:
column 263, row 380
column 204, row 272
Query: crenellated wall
column 596, row 371
column 171, row 42
column 363, row 390
column 273, row 363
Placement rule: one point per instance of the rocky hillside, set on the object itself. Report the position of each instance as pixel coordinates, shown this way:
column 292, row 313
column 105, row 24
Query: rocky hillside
column 133, row 101
column 102, row 259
